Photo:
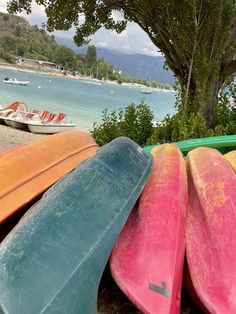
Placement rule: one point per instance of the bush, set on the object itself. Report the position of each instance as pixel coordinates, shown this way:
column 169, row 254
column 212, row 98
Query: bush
column 9, row 57
column 134, row 122
column 177, row 128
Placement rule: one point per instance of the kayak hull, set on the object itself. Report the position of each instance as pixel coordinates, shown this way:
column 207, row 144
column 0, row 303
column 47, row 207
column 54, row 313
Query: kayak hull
column 210, row 231
column 64, row 241
column 28, row 170
column 147, row 260
column 231, row 158
column 223, row 143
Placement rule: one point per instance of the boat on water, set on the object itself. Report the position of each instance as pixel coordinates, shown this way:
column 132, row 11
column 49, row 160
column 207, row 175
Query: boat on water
column 14, row 81
column 146, row 90
column 92, row 81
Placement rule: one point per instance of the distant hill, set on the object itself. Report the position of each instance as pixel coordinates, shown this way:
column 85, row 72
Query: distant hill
column 19, row 38
column 137, row 65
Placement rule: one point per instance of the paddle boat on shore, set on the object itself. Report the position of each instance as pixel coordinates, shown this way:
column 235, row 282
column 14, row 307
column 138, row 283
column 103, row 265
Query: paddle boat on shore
column 5, row 112
column 51, row 128
column 14, row 81
column 41, row 123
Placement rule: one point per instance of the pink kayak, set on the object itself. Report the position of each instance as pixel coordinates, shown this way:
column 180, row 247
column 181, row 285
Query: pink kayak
column 211, row 231
column 147, row 260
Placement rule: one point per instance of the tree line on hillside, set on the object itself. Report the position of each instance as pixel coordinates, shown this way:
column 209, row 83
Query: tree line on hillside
column 18, row 38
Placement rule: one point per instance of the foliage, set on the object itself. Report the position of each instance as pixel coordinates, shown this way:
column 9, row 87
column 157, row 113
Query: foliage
column 175, row 128
column 197, row 37
column 91, row 56
column 178, row 127
column 134, row 122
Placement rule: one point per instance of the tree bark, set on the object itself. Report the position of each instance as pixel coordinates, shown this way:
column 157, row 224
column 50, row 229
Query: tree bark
column 211, row 100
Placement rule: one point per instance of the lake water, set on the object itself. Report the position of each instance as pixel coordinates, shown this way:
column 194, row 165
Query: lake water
column 83, row 102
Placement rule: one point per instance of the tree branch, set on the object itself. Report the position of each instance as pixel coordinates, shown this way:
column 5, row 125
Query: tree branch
column 232, row 35
column 228, row 69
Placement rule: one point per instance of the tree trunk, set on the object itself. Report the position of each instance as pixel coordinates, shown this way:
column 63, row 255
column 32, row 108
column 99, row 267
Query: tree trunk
column 202, row 97
column 211, row 100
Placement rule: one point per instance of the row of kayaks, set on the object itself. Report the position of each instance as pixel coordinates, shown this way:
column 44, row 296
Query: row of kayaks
column 144, row 211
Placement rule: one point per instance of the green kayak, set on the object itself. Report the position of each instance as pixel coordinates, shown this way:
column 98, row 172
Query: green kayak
column 223, row 143
column 52, row 261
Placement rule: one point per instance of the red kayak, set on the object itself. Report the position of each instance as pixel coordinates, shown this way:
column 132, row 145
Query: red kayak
column 211, row 231
column 147, row 260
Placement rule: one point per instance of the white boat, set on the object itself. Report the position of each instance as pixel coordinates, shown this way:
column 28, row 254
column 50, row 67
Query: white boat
column 10, row 110
column 27, row 120
column 14, row 81
column 92, row 81
column 15, row 121
column 147, row 90
column 51, row 128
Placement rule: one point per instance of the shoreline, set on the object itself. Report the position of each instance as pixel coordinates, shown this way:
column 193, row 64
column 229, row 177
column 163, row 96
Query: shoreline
column 18, row 68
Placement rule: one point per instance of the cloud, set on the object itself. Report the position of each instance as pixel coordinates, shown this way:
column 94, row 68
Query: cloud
column 3, row 7
column 132, row 40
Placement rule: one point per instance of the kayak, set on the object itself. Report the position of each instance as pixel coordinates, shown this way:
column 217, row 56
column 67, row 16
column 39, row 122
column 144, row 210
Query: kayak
column 231, row 158
column 27, row 170
column 210, row 231
column 224, row 144
column 147, row 259
column 52, row 261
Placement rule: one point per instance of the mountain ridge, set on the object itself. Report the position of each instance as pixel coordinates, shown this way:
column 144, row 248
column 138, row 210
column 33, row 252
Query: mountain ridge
column 136, row 65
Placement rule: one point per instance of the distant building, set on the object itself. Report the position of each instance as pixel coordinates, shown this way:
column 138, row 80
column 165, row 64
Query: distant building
column 38, row 64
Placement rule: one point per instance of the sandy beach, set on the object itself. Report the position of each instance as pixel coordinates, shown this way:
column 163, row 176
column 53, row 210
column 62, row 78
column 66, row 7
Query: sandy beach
column 10, row 137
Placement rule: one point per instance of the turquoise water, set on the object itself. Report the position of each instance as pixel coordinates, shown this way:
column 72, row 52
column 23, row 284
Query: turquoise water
column 82, row 102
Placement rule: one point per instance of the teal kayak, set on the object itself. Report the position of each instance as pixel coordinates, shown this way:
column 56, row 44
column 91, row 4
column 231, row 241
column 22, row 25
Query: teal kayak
column 223, row 143
column 53, row 260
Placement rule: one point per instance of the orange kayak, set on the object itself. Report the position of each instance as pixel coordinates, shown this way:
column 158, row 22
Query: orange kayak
column 28, row 170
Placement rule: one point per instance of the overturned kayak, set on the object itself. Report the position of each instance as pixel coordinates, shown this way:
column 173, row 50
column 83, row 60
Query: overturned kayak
column 224, row 144
column 53, row 260
column 231, row 158
column 28, row 170
column 210, row 231
column 147, row 260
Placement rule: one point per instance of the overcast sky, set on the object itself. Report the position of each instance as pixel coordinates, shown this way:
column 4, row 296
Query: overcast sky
column 132, row 40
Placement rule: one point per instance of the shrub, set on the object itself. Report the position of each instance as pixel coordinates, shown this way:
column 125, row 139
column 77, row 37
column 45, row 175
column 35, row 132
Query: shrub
column 177, row 128
column 134, row 122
